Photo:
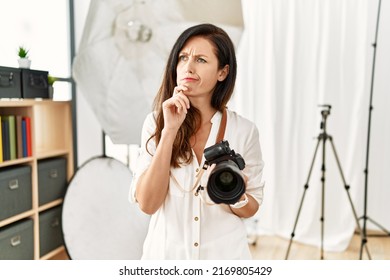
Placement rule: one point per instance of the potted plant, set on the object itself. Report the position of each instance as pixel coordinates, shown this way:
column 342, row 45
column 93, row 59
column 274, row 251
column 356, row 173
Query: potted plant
column 50, row 81
column 24, row 61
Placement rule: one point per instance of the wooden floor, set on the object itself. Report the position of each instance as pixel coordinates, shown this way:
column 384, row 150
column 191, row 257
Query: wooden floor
column 275, row 248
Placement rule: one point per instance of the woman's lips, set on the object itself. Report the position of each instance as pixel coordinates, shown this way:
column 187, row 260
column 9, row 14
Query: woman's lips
column 188, row 79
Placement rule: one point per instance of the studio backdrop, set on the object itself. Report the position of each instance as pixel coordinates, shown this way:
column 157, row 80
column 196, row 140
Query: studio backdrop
column 293, row 56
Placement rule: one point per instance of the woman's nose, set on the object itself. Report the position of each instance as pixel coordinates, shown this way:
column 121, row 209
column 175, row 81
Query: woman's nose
column 189, row 67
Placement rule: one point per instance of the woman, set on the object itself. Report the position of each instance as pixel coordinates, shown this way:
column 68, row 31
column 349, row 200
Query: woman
column 185, row 224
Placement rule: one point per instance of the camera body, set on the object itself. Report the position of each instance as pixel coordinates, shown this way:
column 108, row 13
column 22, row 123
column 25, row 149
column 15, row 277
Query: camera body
column 221, row 152
column 226, row 183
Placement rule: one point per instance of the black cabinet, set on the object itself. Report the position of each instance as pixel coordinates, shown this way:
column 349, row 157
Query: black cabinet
column 15, row 191
column 23, row 83
column 17, row 241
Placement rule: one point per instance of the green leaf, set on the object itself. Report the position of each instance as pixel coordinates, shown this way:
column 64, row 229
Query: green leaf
column 23, row 52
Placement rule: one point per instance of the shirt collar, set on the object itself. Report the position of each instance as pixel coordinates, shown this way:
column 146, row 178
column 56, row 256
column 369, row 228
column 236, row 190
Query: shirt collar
column 216, row 121
column 216, row 117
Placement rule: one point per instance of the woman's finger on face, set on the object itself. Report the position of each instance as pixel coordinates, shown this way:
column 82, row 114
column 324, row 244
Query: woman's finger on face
column 180, row 89
column 177, row 90
column 171, row 103
column 182, row 103
column 180, row 106
column 183, row 88
column 184, row 99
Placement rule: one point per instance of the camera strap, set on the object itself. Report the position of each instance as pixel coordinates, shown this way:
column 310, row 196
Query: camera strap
column 220, row 136
column 222, row 127
column 198, row 177
column 221, row 132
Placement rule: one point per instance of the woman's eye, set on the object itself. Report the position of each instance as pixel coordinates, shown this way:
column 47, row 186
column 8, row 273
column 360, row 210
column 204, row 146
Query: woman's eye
column 182, row 58
column 201, row 60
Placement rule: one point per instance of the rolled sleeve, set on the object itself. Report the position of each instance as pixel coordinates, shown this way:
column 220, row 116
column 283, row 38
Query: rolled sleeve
column 145, row 155
column 254, row 165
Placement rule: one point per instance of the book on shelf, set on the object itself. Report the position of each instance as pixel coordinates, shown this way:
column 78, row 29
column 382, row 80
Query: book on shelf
column 19, row 140
column 28, row 136
column 15, row 137
column 12, row 136
column 24, row 138
column 5, row 138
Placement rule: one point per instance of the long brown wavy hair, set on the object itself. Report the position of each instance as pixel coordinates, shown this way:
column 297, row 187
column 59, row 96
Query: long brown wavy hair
column 224, row 50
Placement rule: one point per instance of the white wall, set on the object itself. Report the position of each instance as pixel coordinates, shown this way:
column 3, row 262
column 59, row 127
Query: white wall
column 379, row 160
column 89, row 132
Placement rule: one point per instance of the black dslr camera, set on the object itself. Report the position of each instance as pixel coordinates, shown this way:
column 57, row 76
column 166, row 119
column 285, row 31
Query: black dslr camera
column 226, row 183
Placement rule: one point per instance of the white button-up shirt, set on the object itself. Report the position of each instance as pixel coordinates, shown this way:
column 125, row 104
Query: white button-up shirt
column 188, row 224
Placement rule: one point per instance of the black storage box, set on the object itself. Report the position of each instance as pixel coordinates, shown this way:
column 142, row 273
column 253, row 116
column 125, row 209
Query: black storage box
column 16, row 241
column 50, row 230
column 35, row 84
column 10, row 85
column 15, row 190
column 51, row 179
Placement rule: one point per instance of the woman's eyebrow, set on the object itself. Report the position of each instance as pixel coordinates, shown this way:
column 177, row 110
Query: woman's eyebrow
column 197, row 55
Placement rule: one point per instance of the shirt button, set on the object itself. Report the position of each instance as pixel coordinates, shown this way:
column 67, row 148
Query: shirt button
column 196, row 194
column 196, row 219
column 197, row 170
column 196, row 244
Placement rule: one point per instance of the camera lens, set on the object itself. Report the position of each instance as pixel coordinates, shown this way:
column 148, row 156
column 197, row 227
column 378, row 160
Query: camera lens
column 226, row 181
column 226, row 184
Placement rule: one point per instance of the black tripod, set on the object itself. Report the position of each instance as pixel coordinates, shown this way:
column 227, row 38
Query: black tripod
column 322, row 137
column 364, row 217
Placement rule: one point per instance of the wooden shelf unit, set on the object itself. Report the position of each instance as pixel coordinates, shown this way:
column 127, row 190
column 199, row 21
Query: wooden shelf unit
column 51, row 136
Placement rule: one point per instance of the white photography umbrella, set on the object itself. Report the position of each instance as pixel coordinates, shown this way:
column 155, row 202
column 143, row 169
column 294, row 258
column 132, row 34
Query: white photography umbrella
column 123, row 52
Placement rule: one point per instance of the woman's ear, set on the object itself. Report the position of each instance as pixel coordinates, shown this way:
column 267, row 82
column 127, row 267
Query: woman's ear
column 222, row 74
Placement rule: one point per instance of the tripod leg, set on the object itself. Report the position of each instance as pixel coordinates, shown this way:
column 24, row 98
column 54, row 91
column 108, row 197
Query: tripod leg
column 346, row 186
column 323, row 172
column 379, row 226
column 303, row 197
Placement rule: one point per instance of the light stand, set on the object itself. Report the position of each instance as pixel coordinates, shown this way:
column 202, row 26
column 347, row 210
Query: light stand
column 322, row 137
column 365, row 217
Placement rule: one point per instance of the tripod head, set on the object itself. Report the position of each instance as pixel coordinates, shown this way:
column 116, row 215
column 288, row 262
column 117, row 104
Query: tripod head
column 325, row 113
